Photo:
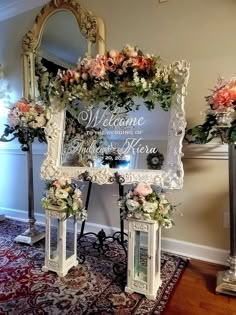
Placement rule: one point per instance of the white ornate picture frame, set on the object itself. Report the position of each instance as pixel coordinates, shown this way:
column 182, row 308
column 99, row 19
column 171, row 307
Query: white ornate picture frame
column 169, row 177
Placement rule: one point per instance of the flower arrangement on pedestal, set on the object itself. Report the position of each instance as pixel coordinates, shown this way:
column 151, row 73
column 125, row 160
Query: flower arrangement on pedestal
column 220, row 120
column 26, row 121
column 143, row 202
column 66, row 196
column 115, row 79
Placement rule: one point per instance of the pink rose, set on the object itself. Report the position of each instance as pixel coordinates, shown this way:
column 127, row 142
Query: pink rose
column 142, row 189
column 97, row 68
column 61, row 182
column 110, row 65
column 23, row 105
column 84, row 76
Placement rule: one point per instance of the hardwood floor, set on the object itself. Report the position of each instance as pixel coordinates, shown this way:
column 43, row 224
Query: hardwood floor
column 195, row 293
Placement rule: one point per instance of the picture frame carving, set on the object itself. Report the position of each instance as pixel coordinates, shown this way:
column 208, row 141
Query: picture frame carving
column 169, row 177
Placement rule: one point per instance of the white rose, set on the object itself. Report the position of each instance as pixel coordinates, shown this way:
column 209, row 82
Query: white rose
column 150, row 207
column 77, row 193
column 77, row 204
column 40, row 121
column 51, row 192
column 163, row 209
column 163, row 199
column 61, row 193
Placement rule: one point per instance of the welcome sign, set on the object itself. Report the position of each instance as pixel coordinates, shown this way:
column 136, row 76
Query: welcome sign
column 99, row 138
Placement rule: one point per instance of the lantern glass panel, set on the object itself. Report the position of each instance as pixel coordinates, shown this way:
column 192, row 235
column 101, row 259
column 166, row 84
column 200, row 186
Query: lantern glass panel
column 70, row 239
column 54, row 230
column 140, row 256
column 157, row 260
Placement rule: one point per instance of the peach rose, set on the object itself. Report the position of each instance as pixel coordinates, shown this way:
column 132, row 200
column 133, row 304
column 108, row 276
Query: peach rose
column 68, row 77
column 23, row 105
column 63, row 181
column 113, row 53
column 143, row 63
column 232, row 93
column 222, row 98
column 143, row 189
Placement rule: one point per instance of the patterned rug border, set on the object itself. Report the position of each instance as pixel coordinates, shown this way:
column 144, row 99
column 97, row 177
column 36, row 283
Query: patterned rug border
column 91, row 288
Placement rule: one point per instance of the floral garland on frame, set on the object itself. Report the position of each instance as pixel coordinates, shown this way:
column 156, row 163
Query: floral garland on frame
column 115, row 79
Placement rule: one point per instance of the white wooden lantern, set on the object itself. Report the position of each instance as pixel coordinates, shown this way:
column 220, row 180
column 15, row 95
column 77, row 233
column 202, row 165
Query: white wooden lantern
column 144, row 257
column 57, row 256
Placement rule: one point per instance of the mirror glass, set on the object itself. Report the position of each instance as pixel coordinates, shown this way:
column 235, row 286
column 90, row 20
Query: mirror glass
column 98, row 138
column 62, row 41
column 62, row 32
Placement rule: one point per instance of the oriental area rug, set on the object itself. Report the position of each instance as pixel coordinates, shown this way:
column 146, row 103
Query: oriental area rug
column 90, row 288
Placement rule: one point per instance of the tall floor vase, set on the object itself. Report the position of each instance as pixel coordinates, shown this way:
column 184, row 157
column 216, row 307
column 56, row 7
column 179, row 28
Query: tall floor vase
column 226, row 280
column 32, row 234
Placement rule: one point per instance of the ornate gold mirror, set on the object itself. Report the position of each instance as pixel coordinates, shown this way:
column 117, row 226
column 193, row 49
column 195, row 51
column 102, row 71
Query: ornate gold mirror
column 63, row 31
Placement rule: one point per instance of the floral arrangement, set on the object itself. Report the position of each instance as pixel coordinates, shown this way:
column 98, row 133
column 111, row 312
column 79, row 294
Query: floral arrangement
column 143, row 202
column 115, row 79
column 26, row 121
column 114, row 159
column 66, row 196
column 220, row 120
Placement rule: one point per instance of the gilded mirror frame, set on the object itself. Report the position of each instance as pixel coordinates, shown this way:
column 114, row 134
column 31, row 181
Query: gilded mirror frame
column 91, row 27
column 170, row 177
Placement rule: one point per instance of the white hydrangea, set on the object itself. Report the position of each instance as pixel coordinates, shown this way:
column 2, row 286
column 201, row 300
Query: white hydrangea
column 132, row 205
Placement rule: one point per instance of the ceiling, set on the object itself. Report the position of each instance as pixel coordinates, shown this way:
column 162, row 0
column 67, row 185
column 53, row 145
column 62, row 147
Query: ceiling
column 10, row 8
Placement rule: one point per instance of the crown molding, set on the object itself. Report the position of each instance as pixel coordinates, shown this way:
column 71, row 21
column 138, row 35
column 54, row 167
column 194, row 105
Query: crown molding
column 210, row 151
column 11, row 8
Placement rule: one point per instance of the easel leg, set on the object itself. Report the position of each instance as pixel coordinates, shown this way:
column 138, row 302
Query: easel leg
column 86, row 207
column 121, row 193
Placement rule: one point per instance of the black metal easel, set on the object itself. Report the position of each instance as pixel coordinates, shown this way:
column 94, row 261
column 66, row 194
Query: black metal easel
column 102, row 241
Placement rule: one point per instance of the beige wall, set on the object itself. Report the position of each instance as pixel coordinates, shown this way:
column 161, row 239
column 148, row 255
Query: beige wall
column 197, row 30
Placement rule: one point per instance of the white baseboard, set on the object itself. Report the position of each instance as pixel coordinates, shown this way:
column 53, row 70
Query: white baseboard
column 197, row 251
column 187, row 249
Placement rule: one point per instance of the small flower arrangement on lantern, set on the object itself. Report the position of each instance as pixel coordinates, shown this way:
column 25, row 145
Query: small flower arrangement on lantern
column 142, row 202
column 220, row 118
column 65, row 196
column 115, row 79
column 26, row 121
